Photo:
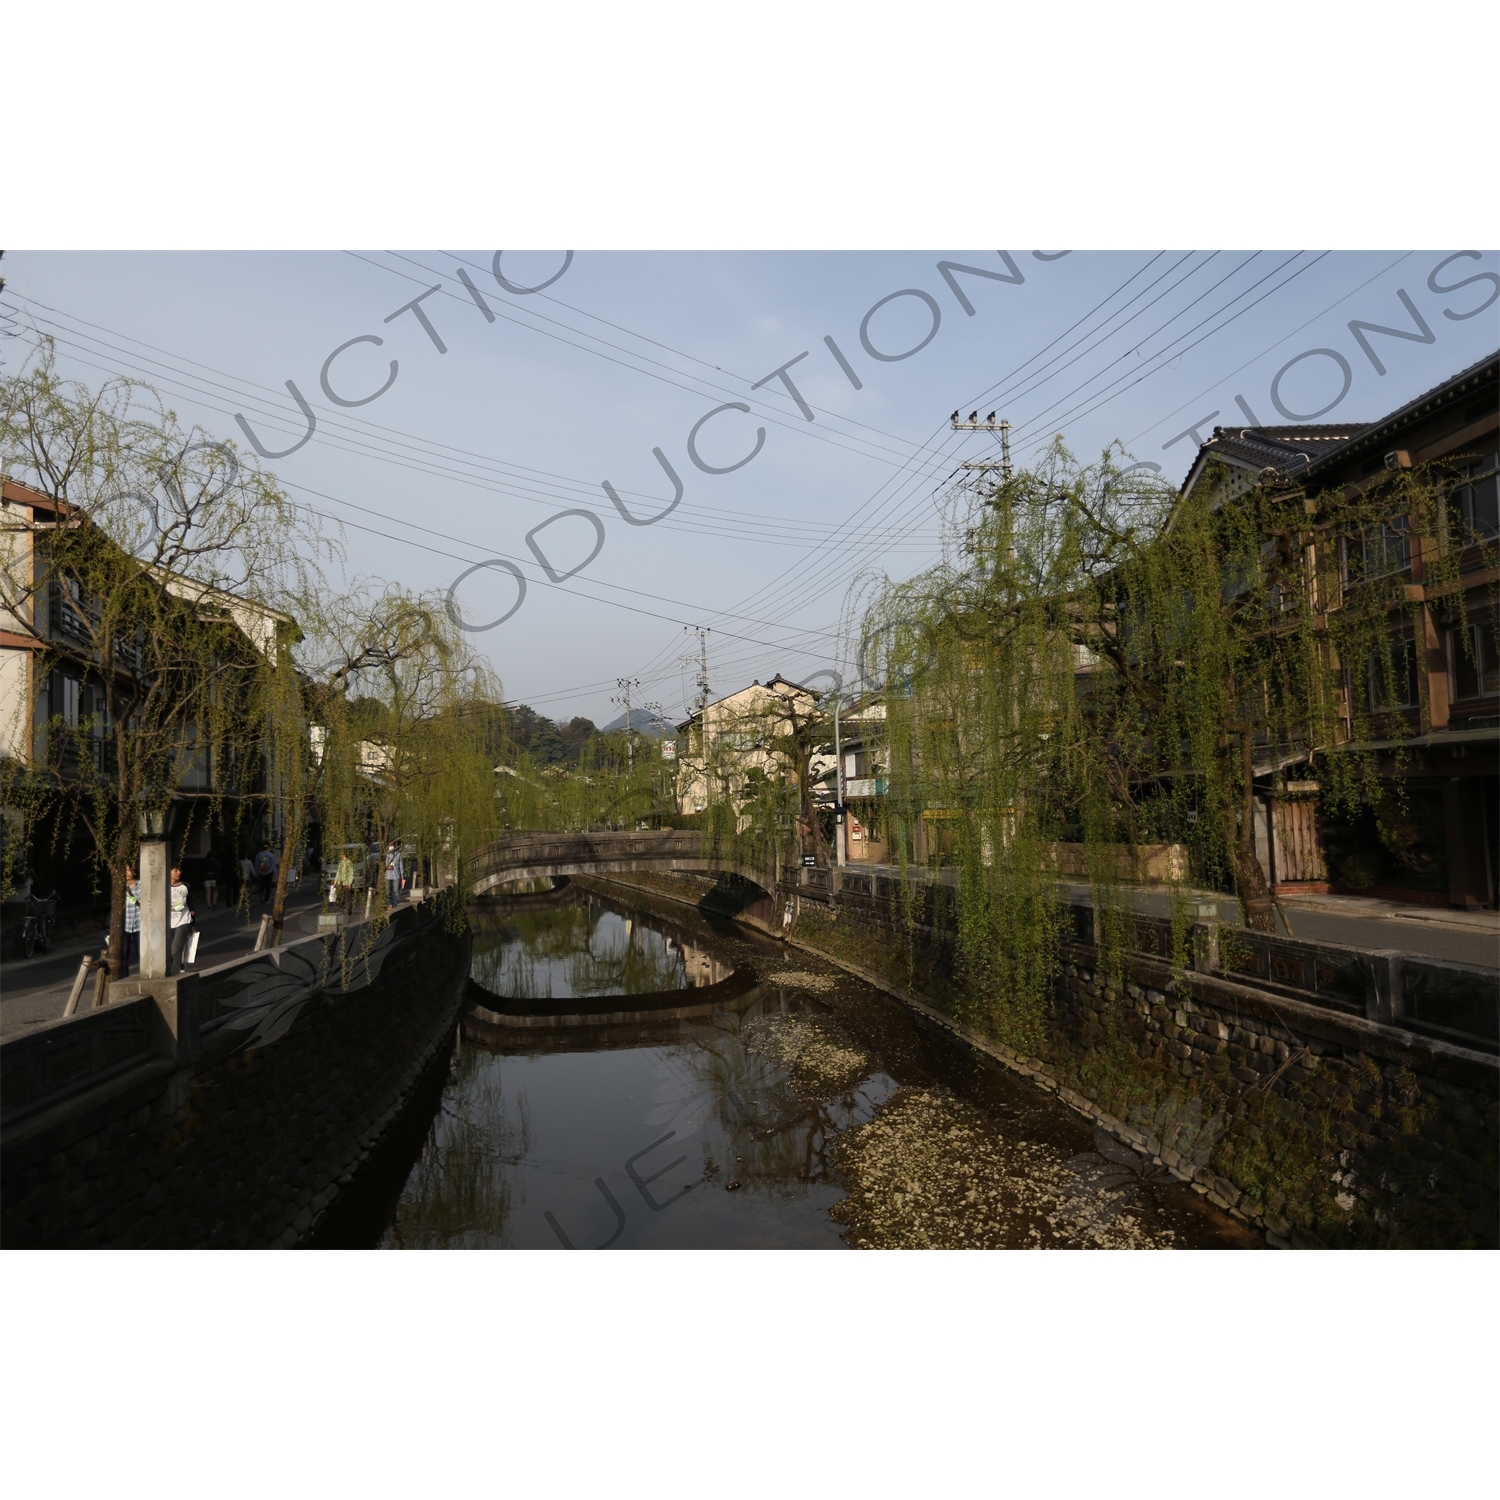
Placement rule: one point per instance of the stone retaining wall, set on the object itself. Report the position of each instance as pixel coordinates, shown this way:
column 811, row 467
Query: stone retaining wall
column 248, row 1149
column 1317, row 1126
column 1329, row 1128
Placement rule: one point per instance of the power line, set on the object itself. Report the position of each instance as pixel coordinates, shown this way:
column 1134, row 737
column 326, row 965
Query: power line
column 1219, row 327
column 428, row 530
column 1099, row 399
column 1322, row 312
column 800, row 568
column 785, row 526
column 768, row 413
column 646, row 338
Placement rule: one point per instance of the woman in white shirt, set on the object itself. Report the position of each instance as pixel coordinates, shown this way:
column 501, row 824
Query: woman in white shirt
column 181, row 921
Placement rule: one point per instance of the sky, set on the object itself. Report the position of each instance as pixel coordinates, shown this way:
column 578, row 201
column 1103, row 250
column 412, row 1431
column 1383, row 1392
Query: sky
column 136, row 134
column 537, row 398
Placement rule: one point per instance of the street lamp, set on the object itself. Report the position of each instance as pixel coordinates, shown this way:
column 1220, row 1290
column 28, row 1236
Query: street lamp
column 155, row 820
column 155, row 892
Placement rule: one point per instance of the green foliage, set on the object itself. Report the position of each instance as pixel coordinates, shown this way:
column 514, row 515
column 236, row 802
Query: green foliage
column 1100, row 668
column 156, row 572
column 195, row 645
column 606, row 780
column 452, row 903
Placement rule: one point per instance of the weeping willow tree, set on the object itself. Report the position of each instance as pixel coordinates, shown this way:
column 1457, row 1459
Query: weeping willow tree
column 1096, row 674
column 386, row 735
column 191, row 646
column 150, row 571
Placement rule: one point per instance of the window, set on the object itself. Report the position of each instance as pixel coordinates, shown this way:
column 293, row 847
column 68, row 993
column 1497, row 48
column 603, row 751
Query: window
column 1393, row 678
column 1240, row 574
column 1476, row 505
column 1377, row 551
column 1475, row 660
column 65, row 693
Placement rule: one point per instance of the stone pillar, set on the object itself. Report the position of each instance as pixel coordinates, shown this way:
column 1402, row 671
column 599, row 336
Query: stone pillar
column 1382, row 974
column 1206, row 939
column 156, row 903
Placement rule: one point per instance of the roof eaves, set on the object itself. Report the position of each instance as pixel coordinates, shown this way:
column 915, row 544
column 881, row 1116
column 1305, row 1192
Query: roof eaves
column 1464, row 383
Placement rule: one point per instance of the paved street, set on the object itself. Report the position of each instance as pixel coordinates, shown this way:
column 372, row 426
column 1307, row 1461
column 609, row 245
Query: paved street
column 1362, row 922
column 34, row 991
column 1465, row 937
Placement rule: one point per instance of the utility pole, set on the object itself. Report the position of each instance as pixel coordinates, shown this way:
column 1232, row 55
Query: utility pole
column 688, row 782
column 625, row 684
column 988, row 425
column 840, row 808
column 654, row 710
column 1003, row 428
column 702, row 632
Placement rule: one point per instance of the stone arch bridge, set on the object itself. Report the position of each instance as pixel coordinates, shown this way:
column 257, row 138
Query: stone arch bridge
column 532, row 856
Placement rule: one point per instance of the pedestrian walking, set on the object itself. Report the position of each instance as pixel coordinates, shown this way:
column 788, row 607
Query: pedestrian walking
column 393, row 874
column 343, row 882
column 132, row 948
column 247, row 876
column 211, row 881
column 180, row 904
column 265, row 869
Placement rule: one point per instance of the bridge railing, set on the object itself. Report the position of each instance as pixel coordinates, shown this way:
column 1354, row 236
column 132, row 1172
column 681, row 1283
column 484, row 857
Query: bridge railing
column 527, row 851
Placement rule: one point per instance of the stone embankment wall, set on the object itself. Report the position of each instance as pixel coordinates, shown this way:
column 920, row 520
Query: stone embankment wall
column 248, row 1149
column 1325, row 1128
column 1318, row 1127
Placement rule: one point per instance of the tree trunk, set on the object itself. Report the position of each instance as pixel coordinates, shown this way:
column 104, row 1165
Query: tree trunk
column 810, row 809
column 1254, row 893
column 1249, row 879
column 289, row 831
column 116, row 948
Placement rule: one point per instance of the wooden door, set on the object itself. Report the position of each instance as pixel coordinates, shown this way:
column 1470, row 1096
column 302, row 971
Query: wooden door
column 1299, row 853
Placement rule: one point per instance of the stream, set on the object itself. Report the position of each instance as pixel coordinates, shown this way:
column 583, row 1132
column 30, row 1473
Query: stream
column 633, row 1074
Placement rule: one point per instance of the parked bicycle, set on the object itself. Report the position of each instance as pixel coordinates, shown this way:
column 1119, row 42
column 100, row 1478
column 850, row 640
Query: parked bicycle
column 36, row 926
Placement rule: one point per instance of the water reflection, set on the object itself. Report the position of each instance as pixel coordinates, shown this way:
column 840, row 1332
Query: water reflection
column 671, row 1133
column 629, row 1107
column 581, row 947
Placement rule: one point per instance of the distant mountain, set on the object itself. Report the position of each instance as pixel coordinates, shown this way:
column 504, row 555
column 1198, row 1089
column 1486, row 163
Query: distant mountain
column 643, row 723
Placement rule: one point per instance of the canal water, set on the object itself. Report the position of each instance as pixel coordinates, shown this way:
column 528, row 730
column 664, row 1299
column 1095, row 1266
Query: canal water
column 631, row 1074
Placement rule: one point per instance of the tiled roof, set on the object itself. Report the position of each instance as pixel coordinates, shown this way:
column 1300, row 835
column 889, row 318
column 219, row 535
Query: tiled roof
column 1314, row 447
column 1461, row 386
column 1284, row 449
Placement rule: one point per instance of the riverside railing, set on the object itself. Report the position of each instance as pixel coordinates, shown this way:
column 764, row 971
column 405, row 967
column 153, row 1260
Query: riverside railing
column 1429, row 996
column 1432, row 997
column 153, row 1027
